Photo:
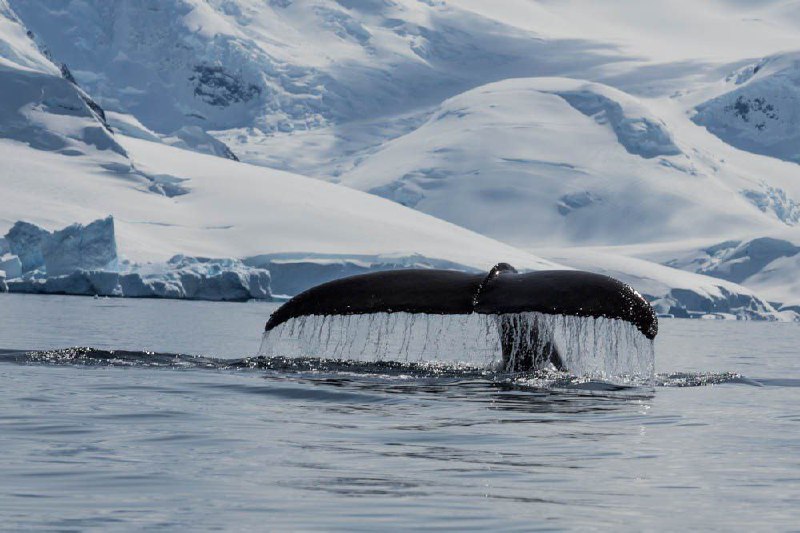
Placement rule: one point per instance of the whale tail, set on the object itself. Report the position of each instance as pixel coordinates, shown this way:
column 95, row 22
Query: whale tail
column 563, row 319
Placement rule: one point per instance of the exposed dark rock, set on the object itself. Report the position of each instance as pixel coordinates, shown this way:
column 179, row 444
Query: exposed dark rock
column 217, row 87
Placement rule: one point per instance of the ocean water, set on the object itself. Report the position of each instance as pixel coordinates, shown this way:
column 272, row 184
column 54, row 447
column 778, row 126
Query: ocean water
column 95, row 440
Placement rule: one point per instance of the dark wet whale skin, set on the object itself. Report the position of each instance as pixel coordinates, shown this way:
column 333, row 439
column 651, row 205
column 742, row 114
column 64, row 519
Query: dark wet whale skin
column 501, row 291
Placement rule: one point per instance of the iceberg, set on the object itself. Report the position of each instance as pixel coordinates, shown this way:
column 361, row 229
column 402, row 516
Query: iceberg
column 133, row 286
column 104, row 283
column 82, row 260
column 25, row 241
column 196, row 278
column 78, row 247
column 182, row 277
column 78, row 283
column 11, row 265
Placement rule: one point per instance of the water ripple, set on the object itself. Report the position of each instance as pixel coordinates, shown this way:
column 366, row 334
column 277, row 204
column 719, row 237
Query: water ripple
column 442, row 373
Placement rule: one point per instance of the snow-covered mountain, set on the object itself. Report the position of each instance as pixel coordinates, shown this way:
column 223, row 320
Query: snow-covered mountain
column 282, row 65
column 538, row 161
column 41, row 106
column 61, row 164
column 758, row 110
column 621, row 125
column 769, row 265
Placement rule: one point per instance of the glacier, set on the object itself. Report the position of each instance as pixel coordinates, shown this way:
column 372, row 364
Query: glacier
column 82, row 260
column 223, row 209
column 75, row 247
column 481, row 163
column 226, row 284
column 182, row 278
column 11, row 266
column 25, row 244
column 623, row 138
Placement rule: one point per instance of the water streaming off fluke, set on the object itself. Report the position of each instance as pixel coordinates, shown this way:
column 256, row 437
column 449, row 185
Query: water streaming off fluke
column 605, row 349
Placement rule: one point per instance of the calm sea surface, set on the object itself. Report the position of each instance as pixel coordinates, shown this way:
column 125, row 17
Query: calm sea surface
column 132, row 441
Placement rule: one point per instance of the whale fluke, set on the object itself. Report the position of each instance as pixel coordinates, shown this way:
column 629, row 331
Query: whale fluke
column 504, row 292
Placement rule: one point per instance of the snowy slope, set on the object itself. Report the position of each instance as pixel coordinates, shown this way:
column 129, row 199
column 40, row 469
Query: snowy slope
column 284, row 65
column 760, row 110
column 545, row 160
column 41, row 106
column 17, row 49
column 59, row 164
column 318, row 86
column 779, row 282
column 768, row 265
column 230, row 210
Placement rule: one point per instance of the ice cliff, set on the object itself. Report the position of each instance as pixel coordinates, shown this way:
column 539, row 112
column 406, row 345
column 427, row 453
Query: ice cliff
column 82, row 260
